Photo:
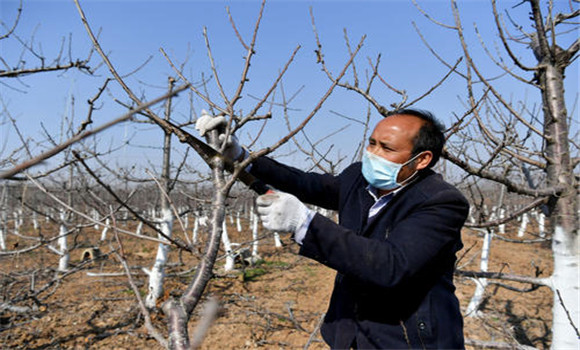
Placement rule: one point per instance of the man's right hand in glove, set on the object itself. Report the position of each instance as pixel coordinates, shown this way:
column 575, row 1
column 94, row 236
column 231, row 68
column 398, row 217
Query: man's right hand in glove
column 280, row 211
column 206, row 123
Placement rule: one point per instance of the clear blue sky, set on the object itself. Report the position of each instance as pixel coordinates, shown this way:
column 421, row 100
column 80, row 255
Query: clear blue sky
column 133, row 31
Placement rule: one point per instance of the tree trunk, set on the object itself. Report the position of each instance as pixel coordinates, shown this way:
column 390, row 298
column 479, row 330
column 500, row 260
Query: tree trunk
column 179, row 311
column 254, row 220
column 194, row 232
column 229, row 265
column 157, row 273
column 62, row 244
column 481, row 283
column 565, row 210
column 3, row 230
column 105, row 230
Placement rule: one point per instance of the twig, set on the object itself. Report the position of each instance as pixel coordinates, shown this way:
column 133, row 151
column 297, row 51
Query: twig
column 23, row 166
column 517, row 213
column 173, row 208
column 497, row 345
column 146, row 315
column 567, row 313
column 125, row 205
column 311, row 337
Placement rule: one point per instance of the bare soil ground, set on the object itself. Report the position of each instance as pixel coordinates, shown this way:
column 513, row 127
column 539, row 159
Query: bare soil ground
column 276, row 304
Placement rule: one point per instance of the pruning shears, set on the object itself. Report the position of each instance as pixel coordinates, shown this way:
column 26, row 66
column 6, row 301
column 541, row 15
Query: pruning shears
column 208, row 154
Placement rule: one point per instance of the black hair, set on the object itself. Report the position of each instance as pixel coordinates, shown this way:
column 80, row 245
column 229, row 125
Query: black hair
column 430, row 136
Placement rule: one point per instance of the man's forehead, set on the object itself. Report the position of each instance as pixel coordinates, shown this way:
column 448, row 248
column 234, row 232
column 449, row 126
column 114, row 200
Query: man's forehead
column 403, row 124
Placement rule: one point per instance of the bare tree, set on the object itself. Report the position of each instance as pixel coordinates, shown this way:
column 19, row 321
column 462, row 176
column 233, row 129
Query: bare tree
column 525, row 147
column 179, row 310
column 548, row 135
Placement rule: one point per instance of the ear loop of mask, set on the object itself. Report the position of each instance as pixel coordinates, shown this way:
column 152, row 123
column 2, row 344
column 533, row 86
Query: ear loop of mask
column 412, row 175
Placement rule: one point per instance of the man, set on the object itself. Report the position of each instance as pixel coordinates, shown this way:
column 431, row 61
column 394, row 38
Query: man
column 394, row 246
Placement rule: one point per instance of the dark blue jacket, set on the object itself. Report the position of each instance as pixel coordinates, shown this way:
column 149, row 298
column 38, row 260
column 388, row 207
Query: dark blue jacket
column 394, row 284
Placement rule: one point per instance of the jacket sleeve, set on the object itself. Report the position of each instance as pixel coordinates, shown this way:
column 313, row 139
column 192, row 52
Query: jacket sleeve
column 425, row 239
column 313, row 188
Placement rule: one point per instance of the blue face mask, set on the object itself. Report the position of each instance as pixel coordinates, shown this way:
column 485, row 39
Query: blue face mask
column 380, row 172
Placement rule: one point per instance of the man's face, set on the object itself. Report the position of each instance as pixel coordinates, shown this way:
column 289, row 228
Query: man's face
column 392, row 139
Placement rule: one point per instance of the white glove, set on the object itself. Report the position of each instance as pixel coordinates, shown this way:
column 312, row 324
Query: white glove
column 206, row 122
column 280, row 211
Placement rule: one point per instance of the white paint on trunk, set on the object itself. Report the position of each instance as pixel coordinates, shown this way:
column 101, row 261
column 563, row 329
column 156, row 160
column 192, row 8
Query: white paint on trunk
column 277, row 241
column 157, row 273
column 542, row 224
column 501, row 227
column 251, row 220
column 238, row 223
column 35, row 221
column 229, row 265
column 524, row 225
column 3, row 230
column 2, row 237
column 471, row 216
column 195, row 230
column 481, row 283
column 565, row 281
column 16, row 224
column 63, row 244
column 105, row 230
column 254, row 235
column 139, row 230
column 96, row 218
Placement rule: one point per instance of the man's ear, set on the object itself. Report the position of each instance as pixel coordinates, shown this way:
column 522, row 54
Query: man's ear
column 423, row 160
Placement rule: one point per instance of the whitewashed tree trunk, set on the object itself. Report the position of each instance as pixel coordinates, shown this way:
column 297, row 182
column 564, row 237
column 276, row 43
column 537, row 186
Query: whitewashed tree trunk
column 542, row 224
column 501, row 227
column 3, row 229
column 2, row 234
column 523, row 225
column 238, row 223
column 203, row 220
column 565, row 284
column 251, row 219
column 35, row 221
column 139, row 230
column 254, row 235
column 20, row 218
column 481, row 283
column 63, row 244
column 16, row 224
column 125, row 218
column 229, row 265
column 195, row 230
column 157, row 273
column 277, row 241
column 96, row 218
column 105, row 230
column 471, row 216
